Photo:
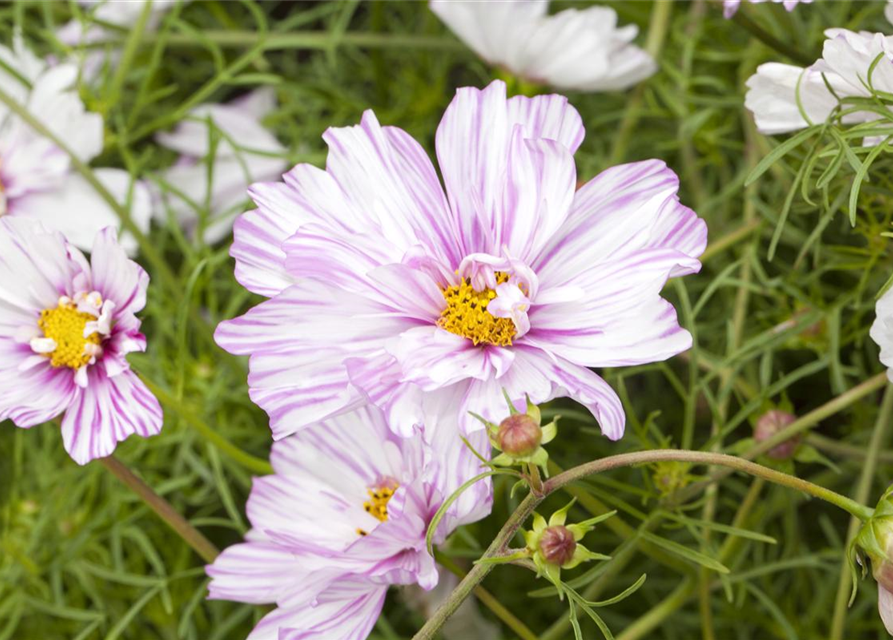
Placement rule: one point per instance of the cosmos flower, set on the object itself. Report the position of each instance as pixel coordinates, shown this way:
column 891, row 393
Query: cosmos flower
column 345, row 515
column 387, row 290
column 882, row 330
column 244, row 152
column 122, row 14
column 66, row 326
column 846, row 58
column 730, row 7
column 37, row 179
column 574, row 49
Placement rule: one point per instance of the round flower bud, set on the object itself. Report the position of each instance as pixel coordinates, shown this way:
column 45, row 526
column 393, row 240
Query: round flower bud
column 519, row 435
column 557, row 545
column 771, row 423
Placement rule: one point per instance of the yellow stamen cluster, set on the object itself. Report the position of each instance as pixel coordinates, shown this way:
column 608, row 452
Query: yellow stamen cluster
column 466, row 314
column 377, row 505
column 65, row 325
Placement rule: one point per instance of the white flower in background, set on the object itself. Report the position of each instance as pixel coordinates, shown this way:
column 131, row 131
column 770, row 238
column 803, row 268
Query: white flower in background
column 573, row 49
column 37, row 179
column 121, row 13
column 846, row 58
column 245, row 152
column 882, row 330
column 730, row 7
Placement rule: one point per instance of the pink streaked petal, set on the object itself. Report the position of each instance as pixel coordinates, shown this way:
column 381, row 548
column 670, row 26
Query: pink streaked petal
column 434, row 358
column 253, row 572
column 411, row 291
column 106, row 412
column 346, row 611
column 257, row 249
column 34, row 395
column 380, row 378
column 389, row 178
column 43, row 257
column 117, row 277
column 550, row 117
column 622, row 210
column 540, row 183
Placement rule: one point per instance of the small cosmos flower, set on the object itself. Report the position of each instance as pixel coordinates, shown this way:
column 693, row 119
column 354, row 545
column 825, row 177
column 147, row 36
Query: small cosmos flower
column 882, row 330
column 387, row 290
column 66, row 326
column 243, row 153
column 574, row 49
column 780, row 95
column 344, row 516
column 730, row 7
column 37, row 180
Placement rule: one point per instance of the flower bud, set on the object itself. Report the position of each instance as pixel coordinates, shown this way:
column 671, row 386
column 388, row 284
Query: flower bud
column 771, row 423
column 519, row 435
column 557, row 545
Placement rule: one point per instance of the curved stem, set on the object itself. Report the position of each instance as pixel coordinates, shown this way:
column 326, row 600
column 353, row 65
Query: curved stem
column 192, row 536
column 499, row 546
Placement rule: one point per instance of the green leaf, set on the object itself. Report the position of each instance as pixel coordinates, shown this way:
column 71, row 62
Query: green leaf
column 685, row 553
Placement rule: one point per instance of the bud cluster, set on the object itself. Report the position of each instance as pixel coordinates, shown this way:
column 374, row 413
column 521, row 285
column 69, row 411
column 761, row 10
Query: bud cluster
column 520, row 437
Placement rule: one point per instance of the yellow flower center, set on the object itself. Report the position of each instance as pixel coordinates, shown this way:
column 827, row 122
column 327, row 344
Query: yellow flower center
column 65, row 326
column 466, row 314
column 377, row 505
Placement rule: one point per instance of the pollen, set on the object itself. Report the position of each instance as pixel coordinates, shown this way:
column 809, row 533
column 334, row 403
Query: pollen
column 466, row 314
column 65, row 326
column 377, row 505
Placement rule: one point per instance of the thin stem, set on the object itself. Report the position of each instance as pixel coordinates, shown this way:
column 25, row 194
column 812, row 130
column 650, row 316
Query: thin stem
column 192, row 536
column 148, row 250
column 226, row 447
column 499, row 546
column 742, row 20
column 863, row 490
column 730, row 239
column 489, row 600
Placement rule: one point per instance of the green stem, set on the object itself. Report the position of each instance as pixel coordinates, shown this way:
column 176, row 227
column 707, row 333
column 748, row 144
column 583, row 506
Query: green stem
column 148, row 250
column 499, row 546
column 192, row 536
column 742, row 20
column 489, row 600
column 863, row 490
column 314, row 40
column 730, row 239
column 226, row 447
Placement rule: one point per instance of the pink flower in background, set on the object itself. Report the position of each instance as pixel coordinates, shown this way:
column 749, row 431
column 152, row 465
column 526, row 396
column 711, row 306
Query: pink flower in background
column 730, row 7
column 37, row 179
column 244, row 152
column 66, row 326
column 846, row 58
column 345, row 515
column 387, row 290
column 574, row 49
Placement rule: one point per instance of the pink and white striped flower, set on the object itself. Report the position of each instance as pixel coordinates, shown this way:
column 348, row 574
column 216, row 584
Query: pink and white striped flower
column 730, row 7
column 344, row 516
column 66, row 326
column 37, row 179
column 573, row 49
column 786, row 98
column 387, row 290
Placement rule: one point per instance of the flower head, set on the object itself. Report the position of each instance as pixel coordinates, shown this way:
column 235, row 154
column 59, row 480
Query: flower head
column 786, row 98
column 66, row 326
column 37, row 180
column 574, row 49
column 349, row 504
column 874, row 542
column 229, row 140
column 387, row 290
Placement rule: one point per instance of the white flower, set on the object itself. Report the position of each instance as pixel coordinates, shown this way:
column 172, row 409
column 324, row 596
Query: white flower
column 882, row 330
column 246, row 152
column 573, row 49
column 785, row 98
column 37, row 179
